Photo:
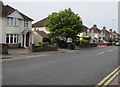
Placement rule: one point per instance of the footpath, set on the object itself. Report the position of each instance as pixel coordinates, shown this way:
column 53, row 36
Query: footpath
column 23, row 53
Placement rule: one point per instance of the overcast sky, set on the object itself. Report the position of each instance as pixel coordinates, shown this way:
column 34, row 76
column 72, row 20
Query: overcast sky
column 100, row 13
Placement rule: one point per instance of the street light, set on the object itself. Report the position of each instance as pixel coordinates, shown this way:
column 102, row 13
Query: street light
column 112, row 23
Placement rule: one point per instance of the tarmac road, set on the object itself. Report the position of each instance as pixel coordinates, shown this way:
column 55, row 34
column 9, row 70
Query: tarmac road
column 82, row 67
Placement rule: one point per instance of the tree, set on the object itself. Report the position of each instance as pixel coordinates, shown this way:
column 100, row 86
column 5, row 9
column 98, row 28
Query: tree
column 63, row 25
column 110, row 39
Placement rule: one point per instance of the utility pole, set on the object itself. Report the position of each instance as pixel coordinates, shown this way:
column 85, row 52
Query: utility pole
column 112, row 23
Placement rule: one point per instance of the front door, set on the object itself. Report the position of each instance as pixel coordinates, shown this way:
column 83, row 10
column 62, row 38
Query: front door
column 27, row 39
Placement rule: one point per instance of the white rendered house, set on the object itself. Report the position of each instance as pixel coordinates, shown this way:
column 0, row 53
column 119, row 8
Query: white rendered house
column 15, row 28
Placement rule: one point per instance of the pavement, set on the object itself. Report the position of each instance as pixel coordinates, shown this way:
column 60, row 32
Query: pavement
column 22, row 53
column 75, row 67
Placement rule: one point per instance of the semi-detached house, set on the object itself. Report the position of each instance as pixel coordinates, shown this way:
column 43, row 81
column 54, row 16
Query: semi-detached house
column 15, row 28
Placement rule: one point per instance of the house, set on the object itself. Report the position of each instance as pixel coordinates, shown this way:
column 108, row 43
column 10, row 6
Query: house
column 40, row 36
column 114, row 35
column 40, row 25
column 105, row 35
column 95, row 34
column 40, row 32
column 16, row 28
column 84, row 33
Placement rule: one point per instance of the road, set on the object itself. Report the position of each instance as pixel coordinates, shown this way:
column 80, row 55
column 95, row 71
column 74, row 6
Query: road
column 83, row 67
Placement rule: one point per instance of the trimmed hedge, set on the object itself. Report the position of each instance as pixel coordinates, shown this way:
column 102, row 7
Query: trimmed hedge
column 40, row 48
column 84, row 43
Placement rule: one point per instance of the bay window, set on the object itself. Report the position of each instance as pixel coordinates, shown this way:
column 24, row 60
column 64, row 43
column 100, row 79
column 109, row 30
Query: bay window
column 11, row 38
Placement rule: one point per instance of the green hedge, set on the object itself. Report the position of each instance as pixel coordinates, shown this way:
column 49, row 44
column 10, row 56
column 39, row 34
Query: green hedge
column 84, row 43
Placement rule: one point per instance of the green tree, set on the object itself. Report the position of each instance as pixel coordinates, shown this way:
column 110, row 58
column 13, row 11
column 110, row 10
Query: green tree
column 65, row 24
column 110, row 39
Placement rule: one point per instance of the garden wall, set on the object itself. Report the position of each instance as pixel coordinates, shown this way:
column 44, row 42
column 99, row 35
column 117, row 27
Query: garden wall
column 34, row 48
column 3, row 49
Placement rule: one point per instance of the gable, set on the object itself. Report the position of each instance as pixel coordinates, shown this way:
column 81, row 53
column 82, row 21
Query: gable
column 16, row 15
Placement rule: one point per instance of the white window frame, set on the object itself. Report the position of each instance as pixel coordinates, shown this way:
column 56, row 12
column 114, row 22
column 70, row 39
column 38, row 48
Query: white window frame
column 26, row 23
column 14, row 36
column 13, row 21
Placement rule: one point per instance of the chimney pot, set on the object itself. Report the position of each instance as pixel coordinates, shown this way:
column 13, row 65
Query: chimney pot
column 95, row 25
column 111, row 30
column 104, row 28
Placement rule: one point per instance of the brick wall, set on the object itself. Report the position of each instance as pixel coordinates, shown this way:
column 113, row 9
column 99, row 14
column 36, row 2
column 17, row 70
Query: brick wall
column 11, row 46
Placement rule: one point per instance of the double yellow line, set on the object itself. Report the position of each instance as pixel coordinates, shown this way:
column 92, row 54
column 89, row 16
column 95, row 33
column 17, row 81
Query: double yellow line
column 106, row 81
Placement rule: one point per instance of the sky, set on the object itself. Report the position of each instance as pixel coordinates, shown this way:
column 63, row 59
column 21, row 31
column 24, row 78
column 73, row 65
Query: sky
column 101, row 13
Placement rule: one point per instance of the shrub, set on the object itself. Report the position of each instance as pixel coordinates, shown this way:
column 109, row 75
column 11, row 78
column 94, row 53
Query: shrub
column 87, row 38
column 77, row 42
column 42, row 44
column 62, row 44
column 84, row 43
column 71, row 46
column 110, row 39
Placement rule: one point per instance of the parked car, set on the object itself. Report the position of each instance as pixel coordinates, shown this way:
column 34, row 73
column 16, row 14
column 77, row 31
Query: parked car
column 117, row 43
column 105, row 43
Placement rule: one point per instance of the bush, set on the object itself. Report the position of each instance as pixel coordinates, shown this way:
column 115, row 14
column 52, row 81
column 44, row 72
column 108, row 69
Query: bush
column 42, row 47
column 62, row 44
column 42, row 44
column 71, row 46
column 87, row 38
column 77, row 42
column 84, row 43
column 110, row 39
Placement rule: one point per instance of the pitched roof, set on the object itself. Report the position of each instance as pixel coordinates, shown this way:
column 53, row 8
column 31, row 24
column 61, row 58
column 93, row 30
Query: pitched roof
column 95, row 29
column 42, row 33
column 40, row 23
column 105, row 31
column 7, row 10
column 85, row 28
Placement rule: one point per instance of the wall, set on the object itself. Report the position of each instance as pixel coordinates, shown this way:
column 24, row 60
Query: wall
column 40, row 29
column 37, row 38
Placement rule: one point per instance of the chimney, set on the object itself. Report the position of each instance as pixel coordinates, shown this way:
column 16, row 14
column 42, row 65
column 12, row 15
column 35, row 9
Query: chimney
column 104, row 28
column 95, row 26
column 114, row 31
column 110, row 30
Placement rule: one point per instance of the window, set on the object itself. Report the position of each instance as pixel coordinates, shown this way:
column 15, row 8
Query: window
column 10, row 21
column 25, row 23
column 11, row 38
column 7, row 38
column 13, row 21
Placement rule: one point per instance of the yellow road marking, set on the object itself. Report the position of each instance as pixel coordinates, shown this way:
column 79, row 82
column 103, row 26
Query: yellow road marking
column 107, row 77
column 105, row 84
column 23, row 57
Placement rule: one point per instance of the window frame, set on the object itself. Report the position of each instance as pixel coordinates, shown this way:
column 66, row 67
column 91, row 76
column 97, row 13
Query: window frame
column 26, row 23
column 11, row 36
column 13, row 21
